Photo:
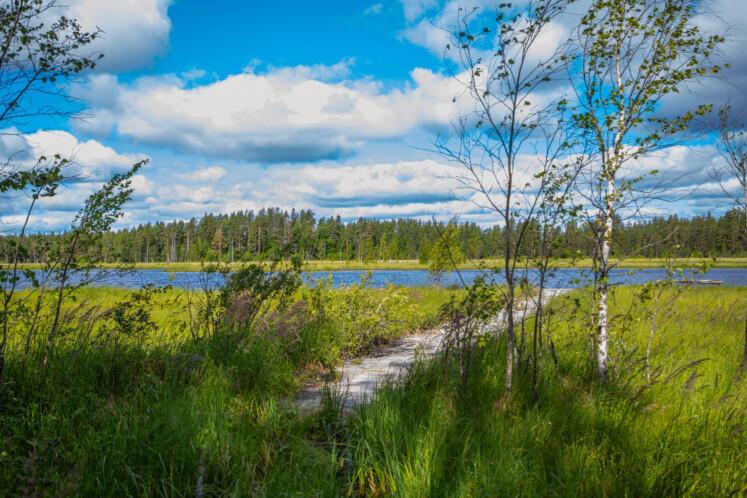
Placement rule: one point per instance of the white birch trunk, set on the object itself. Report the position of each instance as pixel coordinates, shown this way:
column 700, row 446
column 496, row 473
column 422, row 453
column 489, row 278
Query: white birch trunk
column 602, row 309
column 611, row 165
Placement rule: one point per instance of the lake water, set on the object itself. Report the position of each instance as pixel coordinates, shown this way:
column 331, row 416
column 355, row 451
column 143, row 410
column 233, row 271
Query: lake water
column 561, row 278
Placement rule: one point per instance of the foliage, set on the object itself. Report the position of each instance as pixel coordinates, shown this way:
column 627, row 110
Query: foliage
column 67, row 259
column 216, row 404
column 468, row 319
column 632, row 54
column 38, row 49
column 445, row 253
column 36, row 57
column 259, row 287
column 100, row 211
column 232, row 298
column 364, row 317
column 341, row 243
column 131, row 318
column 502, row 141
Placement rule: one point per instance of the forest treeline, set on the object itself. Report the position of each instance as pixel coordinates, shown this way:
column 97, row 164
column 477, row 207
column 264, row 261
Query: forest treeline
column 248, row 235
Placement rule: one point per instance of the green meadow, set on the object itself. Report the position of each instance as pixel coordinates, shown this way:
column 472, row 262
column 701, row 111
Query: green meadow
column 169, row 413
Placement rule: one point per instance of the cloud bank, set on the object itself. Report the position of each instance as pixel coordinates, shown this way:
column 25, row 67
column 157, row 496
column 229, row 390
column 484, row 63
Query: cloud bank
column 294, row 114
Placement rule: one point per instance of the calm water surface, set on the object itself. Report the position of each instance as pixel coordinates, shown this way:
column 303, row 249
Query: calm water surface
column 561, row 278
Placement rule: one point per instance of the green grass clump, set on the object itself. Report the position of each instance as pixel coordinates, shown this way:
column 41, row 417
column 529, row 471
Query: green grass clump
column 683, row 434
column 168, row 413
column 159, row 423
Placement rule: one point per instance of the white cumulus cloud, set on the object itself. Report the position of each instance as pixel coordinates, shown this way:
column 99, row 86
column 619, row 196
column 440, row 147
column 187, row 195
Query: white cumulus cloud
column 296, row 114
column 209, row 174
column 91, row 164
column 90, row 160
column 134, row 31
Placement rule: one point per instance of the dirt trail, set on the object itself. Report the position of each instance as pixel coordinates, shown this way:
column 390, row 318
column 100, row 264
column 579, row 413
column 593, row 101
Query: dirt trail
column 360, row 377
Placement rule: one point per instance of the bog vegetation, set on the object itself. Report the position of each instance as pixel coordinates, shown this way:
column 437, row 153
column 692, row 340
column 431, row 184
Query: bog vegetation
column 607, row 390
column 157, row 390
column 134, row 401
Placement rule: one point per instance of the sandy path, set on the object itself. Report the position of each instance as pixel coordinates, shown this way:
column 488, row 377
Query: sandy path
column 360, row 377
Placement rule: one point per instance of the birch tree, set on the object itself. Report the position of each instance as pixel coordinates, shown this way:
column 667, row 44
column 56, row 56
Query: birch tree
column 502, row 75
column 556, row 208
column 632, row 54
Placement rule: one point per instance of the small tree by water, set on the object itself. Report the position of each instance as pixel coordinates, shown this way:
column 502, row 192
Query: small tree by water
column 445, row 254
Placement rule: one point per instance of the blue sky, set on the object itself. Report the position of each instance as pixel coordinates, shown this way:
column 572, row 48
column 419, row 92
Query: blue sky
column 301, row 33
column 325, row 105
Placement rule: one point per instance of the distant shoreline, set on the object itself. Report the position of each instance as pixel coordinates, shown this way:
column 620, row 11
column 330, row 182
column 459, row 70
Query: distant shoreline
column 631, row 263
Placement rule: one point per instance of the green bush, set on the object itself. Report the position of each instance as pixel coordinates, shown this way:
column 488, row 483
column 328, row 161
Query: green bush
column 364, row 317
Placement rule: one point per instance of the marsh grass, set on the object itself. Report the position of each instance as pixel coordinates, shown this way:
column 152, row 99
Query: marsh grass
column 681, row 435
column 171, row 416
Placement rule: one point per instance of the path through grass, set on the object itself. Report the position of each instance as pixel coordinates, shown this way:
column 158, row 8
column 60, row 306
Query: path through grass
column 166, row 417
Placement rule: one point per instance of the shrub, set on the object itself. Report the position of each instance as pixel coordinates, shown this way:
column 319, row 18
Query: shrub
column 364, row 317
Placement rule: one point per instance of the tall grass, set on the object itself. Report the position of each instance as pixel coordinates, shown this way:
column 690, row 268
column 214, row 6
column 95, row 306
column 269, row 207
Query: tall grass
column 681, row 435
column 168, row 414
column 175, row 416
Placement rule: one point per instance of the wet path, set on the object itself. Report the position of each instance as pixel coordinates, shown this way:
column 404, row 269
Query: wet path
column 360, row 377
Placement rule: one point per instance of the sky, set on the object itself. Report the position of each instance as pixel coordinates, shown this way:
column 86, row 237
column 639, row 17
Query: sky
column 332, row 106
